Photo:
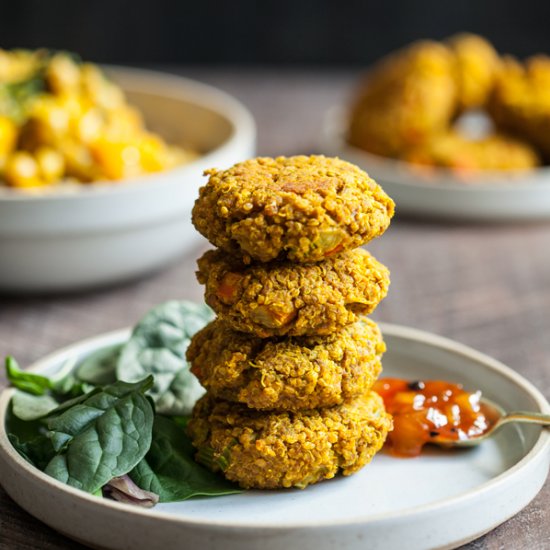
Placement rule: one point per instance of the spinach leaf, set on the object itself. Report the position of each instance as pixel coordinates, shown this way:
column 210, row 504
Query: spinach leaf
column 99, row 368
column 38, row 450
column 29, row 437
column 86, row 429
column 24, row 429
column 26, row 381
column 27, row 406
column 181, row 421
column 170, row 471
column 61, row 386
column 65, row 385
column 68, row 403
column 101, row 437
column 157, row 346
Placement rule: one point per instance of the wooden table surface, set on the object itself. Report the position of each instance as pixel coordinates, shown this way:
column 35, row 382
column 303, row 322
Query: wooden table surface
column 487, row 286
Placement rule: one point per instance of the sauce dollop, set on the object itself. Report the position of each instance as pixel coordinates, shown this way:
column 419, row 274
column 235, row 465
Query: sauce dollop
column 430, row 410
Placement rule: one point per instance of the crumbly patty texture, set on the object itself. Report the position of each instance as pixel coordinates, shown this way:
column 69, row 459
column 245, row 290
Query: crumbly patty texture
column 407, row 97
column 520, row 103
column 285, row 298
column 301, row 208
column 291, row 373
column 285, row 449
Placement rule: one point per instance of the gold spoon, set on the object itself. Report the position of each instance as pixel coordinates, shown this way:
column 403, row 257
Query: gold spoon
column 498, row 418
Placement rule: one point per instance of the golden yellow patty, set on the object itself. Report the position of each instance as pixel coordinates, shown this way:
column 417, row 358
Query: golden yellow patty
column 284, row 449
column 407, row 97
column 494, row 152
column 285, row 298
column 477, row 64
column 291, row 373
column 303, row 209
column 520, row 103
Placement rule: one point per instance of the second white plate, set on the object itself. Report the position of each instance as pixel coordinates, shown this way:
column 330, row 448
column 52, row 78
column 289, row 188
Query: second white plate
column 439, row 500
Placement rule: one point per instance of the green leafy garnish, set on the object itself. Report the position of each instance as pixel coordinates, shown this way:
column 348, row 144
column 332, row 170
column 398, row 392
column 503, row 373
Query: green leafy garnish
column 99, row 368
column 65, row 385
column 16, row 96
column 39, row 394
column 102, row 437
column 38, row 450
column 93, row 426
column 157, row 346
column 26, row 381
column 170, row 471
column 27, row 406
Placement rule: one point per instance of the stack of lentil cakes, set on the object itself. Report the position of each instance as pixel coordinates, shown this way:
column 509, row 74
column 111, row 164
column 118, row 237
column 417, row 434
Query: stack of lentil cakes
column 289, row 362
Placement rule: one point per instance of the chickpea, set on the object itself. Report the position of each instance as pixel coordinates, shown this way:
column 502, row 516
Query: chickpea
column 51, row 164
column 22, row 170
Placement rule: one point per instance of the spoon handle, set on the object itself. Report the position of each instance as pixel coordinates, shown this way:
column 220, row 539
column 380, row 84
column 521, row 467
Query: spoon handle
column 527, row 417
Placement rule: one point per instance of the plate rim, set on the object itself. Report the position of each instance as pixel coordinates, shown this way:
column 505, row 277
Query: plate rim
column 541, row 445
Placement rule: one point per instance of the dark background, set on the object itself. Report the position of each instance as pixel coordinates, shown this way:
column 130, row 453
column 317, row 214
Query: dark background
column 247, row 32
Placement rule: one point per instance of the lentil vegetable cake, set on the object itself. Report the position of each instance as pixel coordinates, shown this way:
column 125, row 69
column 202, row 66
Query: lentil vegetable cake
column 520, row 103
column 494, row 152
column 301, row 208
column 477, row 64
column 286, row 449
column 294, row 299
column 287, row 373
column 408, row 96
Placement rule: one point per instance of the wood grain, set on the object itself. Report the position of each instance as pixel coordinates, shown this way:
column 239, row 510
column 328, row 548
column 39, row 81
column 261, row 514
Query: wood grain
column 487, row 286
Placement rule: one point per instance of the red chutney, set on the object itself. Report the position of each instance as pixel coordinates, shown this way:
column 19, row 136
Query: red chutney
column 423, row 411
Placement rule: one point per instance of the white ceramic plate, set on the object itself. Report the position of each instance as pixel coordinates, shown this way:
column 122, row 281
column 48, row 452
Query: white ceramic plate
column 435, row 192
column 77, row 237
column 440, row 500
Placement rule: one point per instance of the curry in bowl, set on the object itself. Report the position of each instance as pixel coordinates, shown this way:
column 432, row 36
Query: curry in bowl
column 63, row 121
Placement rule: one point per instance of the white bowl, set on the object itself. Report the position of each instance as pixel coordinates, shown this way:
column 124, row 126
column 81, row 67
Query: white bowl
column 436, row 192
column 108, row 232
